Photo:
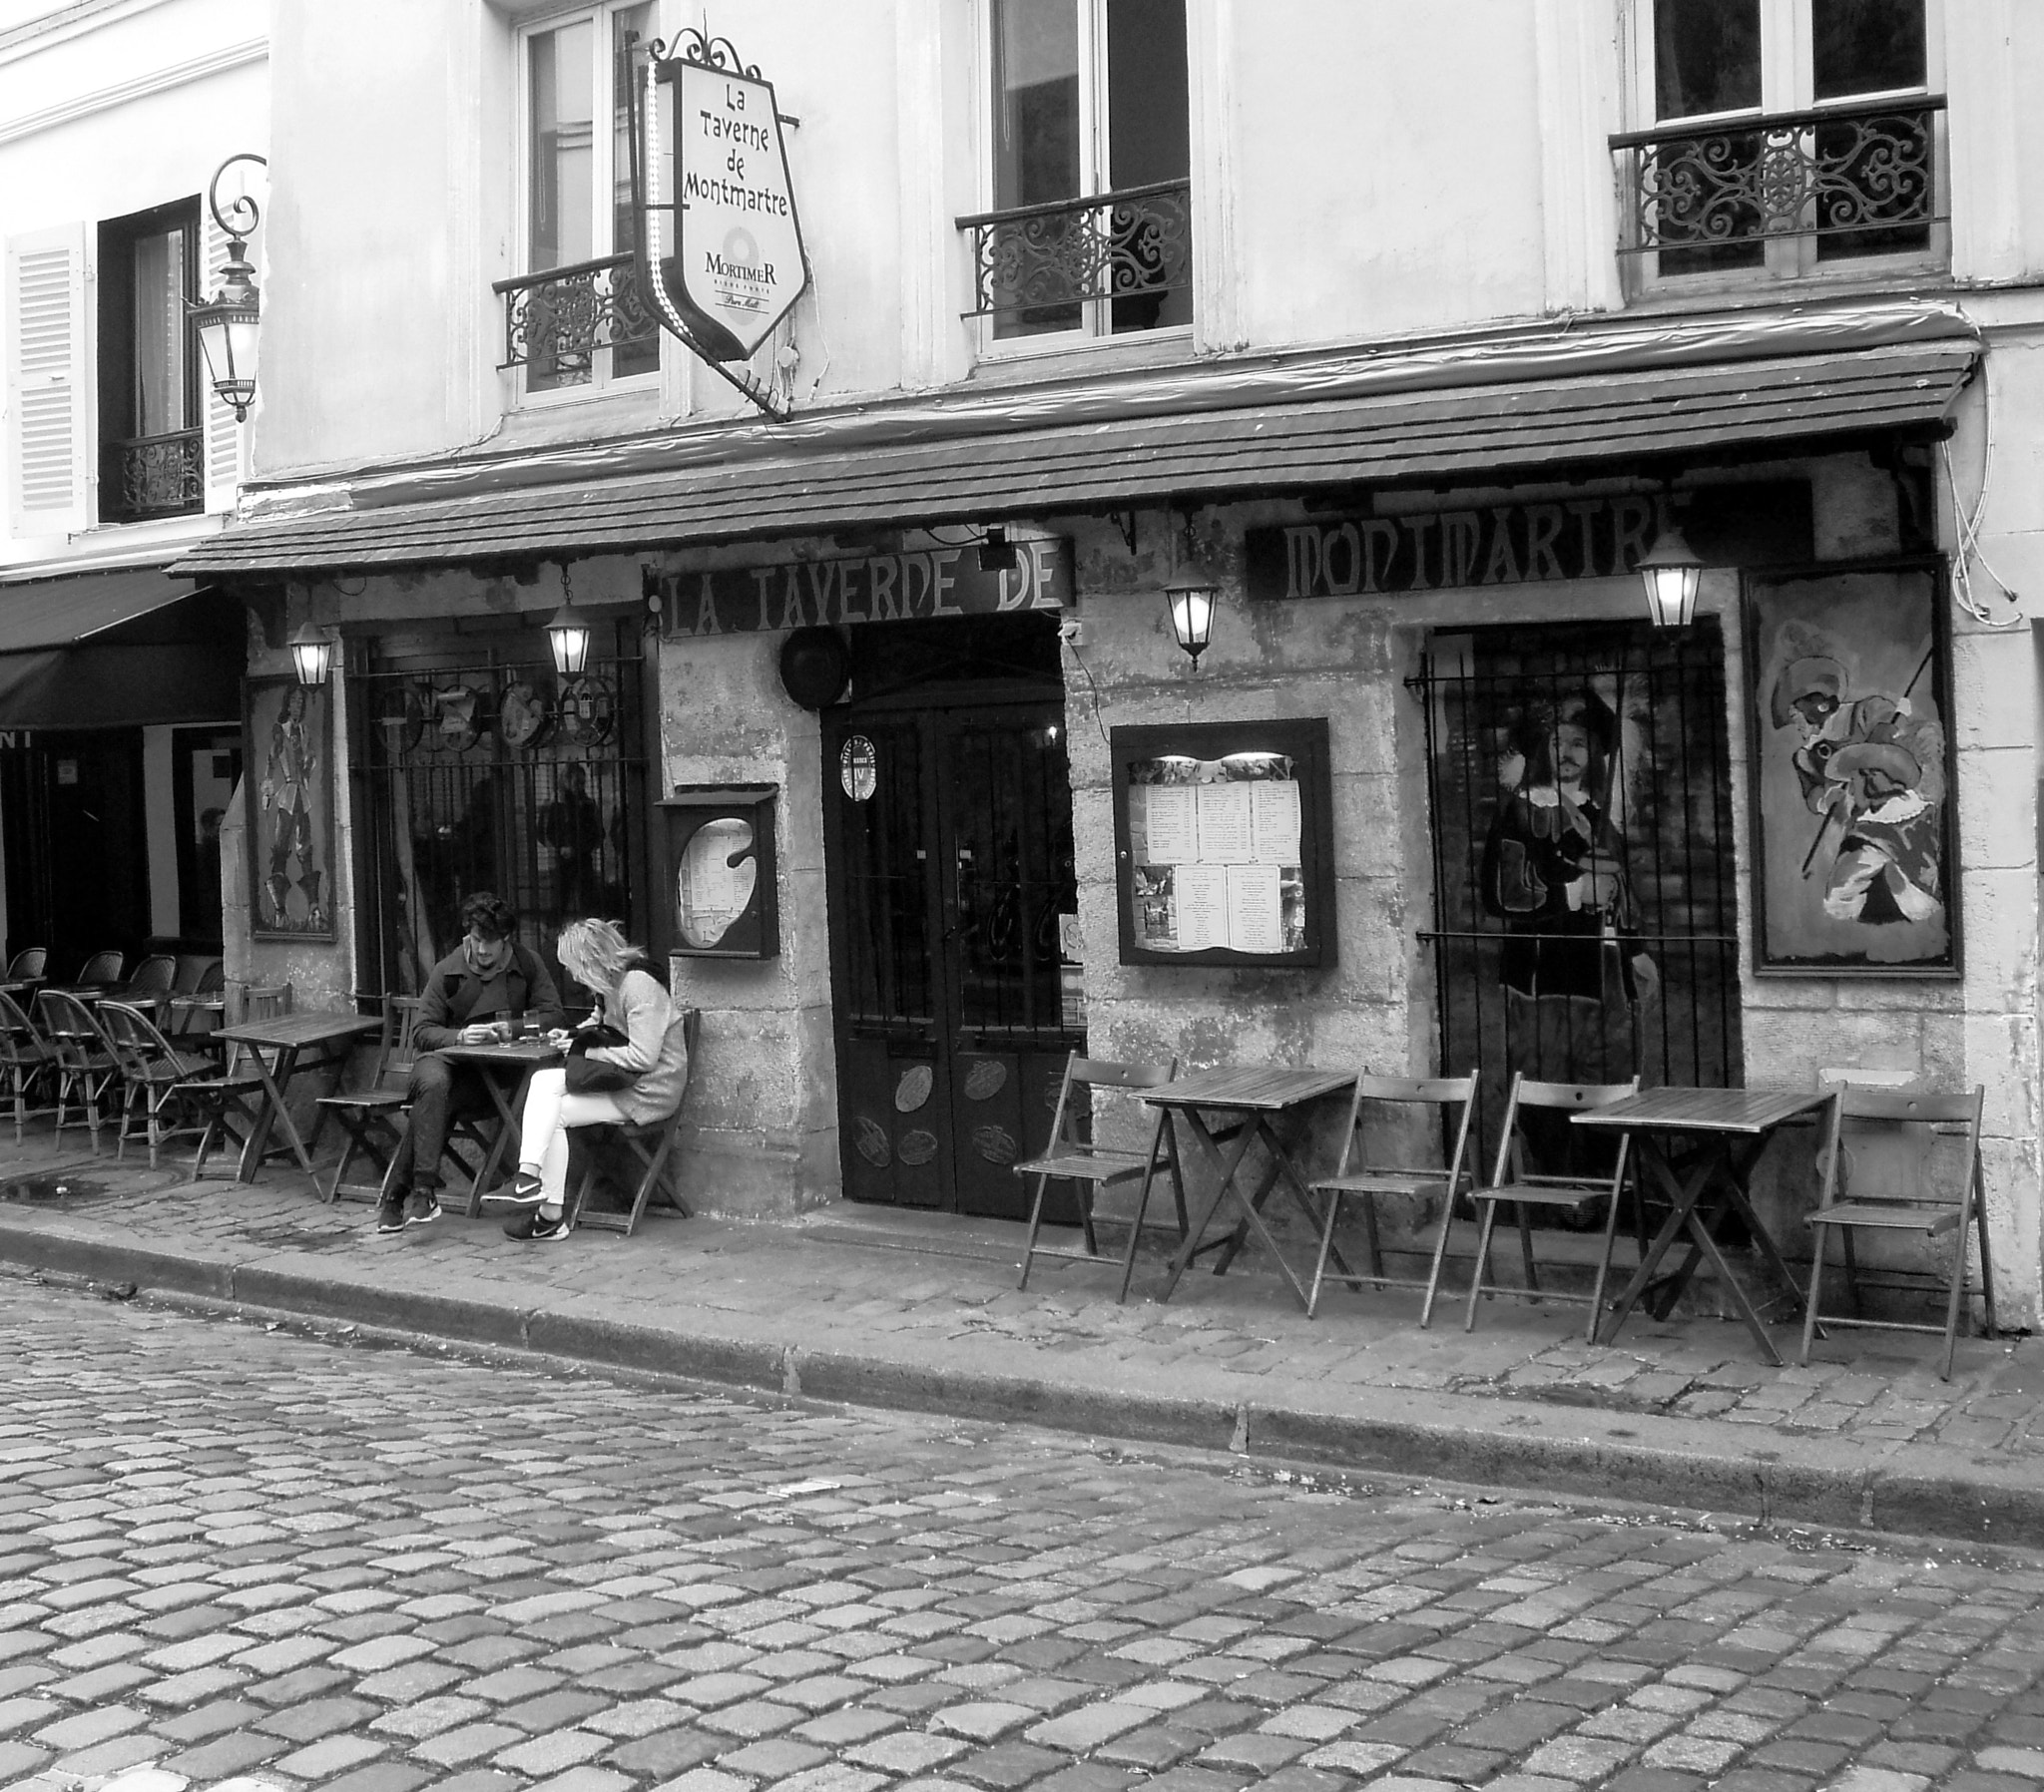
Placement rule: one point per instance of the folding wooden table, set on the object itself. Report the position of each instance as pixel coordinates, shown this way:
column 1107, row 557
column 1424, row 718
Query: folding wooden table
column 1248, row 1101
column 291, row 1037
column 1727, row 1129
column 507, row 1071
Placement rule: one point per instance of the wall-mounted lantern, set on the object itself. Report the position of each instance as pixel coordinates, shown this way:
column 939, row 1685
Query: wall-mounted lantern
column 1191, row 602
column 1672, row 575
column 312, row 655
column 229, row 323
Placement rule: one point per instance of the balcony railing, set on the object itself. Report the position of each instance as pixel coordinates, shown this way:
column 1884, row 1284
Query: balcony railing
column 159, row 476
column 1859, row 179
column 556, row 322
column 1035, row 268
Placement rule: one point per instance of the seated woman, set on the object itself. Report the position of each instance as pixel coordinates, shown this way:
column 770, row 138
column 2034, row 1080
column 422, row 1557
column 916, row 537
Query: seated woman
column 654, row 1056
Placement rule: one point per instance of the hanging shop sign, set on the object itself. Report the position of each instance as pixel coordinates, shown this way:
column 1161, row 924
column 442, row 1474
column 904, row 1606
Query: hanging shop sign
column 720, row 245
column 1761, row 524
column 875, row 588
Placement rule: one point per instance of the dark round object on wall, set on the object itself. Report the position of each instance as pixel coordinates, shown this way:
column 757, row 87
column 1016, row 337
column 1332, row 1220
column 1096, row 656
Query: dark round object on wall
column 815, row 665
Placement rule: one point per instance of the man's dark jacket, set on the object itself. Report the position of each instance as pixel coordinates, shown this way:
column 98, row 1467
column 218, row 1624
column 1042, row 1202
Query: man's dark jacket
column 453, row 990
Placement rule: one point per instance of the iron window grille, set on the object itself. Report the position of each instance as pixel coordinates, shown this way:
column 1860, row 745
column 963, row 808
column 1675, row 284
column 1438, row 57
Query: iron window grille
column 557, row 323
column 1040, row 266
column 1854, row 179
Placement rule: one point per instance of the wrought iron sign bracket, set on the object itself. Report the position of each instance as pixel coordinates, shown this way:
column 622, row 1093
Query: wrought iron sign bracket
column 742, row 291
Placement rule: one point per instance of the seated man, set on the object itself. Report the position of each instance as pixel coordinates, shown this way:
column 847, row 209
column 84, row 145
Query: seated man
column 488, row 978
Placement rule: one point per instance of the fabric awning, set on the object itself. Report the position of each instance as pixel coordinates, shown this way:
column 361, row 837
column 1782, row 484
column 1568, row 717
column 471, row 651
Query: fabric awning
column 118, row 649
column 1790, row 404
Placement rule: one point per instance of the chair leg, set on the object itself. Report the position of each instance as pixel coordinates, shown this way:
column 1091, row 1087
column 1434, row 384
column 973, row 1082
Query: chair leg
column 1440, row 1256
column 1852, row 1269
column 1817, row 1284
column 1986, row 1263
column 655, row 1163
column 1486, row 1213
column 1313, row 1299
column 1035, row 1224
column 1604, row 1268
column 1526, row 1253
column 1369, row 1227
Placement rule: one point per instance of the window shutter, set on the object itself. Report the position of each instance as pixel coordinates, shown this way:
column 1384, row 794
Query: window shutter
column 223, row 436
column 49, row 430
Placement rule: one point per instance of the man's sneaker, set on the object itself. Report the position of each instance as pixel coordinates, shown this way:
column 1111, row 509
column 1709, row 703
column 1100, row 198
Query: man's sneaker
column 390, row 1215
column 537, row 1228
column 523, row 1191
column 420, row 1209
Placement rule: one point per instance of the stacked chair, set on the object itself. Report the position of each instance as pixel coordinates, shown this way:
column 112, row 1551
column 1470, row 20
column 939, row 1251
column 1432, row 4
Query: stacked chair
column 30, row 1073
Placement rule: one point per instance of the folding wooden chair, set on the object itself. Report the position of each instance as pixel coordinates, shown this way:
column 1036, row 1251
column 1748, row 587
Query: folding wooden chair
column 371, row 1120
column 1073, row 1155
column 651, row 1145
column 28, row 1066
column 1913, row 1124
column 1365, row 1173
column 1512, row 1182
column 164, row 1081
column 86, row 1069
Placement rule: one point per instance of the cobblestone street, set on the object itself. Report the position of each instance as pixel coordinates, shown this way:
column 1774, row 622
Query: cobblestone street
column 267, row 1559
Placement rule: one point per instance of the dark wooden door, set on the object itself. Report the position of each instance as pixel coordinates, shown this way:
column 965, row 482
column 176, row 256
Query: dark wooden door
column 950, row 869
column 77, row 847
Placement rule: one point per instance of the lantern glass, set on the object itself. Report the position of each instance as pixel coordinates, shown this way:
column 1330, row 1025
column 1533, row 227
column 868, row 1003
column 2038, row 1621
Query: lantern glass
column 568, row 637
column 227, row 331
column 1192, row 616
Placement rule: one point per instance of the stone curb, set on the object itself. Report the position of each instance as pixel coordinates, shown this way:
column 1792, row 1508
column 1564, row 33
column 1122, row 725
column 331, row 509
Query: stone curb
column 1578, row 1452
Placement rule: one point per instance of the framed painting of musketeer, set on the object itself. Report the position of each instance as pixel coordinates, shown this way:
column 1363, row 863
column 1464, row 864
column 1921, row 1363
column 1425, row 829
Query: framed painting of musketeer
column 289, row 785
column 1854, row 837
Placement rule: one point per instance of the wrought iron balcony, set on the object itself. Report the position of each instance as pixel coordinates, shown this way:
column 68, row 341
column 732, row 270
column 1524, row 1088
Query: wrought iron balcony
column 1035, row 268
column 1858, row 180
column 556, row 322
column 156, row 476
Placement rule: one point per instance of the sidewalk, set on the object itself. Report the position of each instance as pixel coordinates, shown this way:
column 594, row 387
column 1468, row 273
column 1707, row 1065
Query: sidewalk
column 886, row 1308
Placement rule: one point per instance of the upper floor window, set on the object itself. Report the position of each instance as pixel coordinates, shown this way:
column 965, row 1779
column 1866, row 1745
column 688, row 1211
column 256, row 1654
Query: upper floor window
column 151, row 418
column 576, row 317
column 1790, row 137
column 1090, row 226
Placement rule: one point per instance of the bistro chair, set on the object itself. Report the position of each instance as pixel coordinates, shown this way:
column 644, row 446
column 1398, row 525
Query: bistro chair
column 1511, row 1181
column 28, row 965
column 86, row 1069
column 101, row 971
column 1903, row 1128
column 1369, row 1168
column 652, row 1147
column 29, row 1065
column 1073, row 1155
column 149, row 983
column 198, row 1012
column 176, row 1093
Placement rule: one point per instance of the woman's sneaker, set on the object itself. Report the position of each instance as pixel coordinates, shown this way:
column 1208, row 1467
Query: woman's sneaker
column 537, row 1228
column 523, row 1191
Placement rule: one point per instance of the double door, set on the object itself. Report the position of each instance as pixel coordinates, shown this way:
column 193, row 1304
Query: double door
column 953, row 949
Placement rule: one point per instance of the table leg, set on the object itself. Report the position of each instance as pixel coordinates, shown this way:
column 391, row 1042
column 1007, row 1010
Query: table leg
column 507, row 1123
column 1280, row 1168
column 1225, row 1166
column 1684, row 1198
column 257, row 1146
column 1709, row 1246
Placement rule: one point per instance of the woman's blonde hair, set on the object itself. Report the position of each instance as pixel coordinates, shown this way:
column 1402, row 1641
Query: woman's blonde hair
column 596, row 953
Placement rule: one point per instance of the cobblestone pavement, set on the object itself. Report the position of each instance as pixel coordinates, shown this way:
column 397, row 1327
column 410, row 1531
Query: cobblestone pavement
column 264, row 1560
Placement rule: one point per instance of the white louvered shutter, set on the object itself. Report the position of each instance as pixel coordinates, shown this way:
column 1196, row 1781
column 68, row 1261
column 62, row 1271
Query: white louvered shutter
column 223, row 436
column 49, row 432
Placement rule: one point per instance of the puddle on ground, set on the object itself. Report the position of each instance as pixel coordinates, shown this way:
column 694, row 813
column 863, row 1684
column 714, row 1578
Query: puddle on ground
column 288, row 1237
column 55, row 1189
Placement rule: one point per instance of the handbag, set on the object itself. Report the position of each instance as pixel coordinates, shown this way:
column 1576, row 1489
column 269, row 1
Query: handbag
column 590, row 1077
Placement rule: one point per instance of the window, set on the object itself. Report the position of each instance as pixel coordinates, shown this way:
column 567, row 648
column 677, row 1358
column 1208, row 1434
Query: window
column 1791, row 136
column 151, row 425
column 1090, row 229
column 576, row 317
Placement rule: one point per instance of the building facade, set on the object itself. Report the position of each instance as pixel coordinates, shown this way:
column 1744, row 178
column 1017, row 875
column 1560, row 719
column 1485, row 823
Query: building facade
column 120, row 685
column 1405, row 335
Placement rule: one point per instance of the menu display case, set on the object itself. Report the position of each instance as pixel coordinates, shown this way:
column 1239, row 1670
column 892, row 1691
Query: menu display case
column 720, row 873
column 1223, row 843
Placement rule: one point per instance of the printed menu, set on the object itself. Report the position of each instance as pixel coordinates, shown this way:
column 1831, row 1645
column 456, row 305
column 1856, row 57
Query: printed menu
column 1217, row 851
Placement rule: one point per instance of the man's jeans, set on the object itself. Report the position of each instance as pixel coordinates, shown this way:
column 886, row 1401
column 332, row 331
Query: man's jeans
column 440, row 1093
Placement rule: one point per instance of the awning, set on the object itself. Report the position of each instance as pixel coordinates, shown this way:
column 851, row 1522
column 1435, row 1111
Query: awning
column 118, row 649
column 1543, row 427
